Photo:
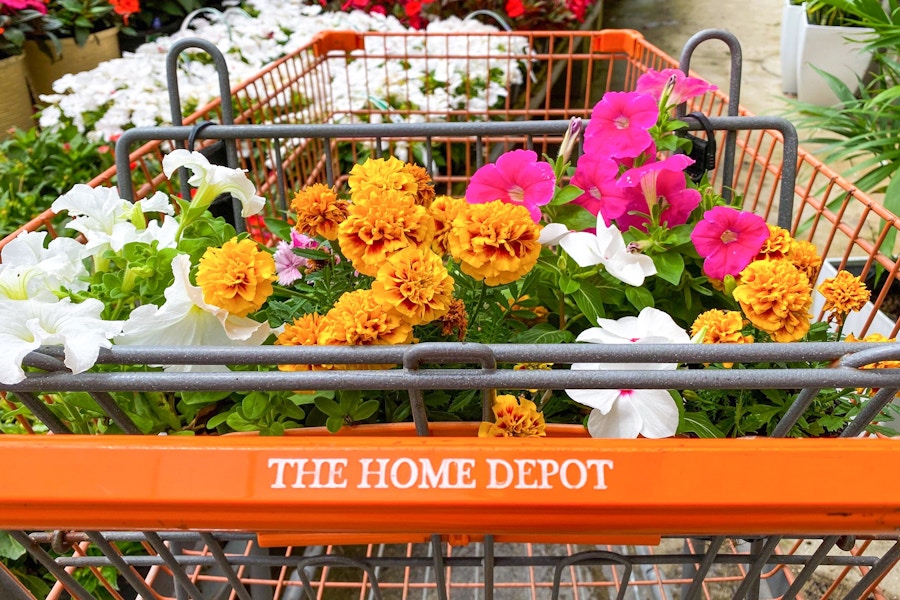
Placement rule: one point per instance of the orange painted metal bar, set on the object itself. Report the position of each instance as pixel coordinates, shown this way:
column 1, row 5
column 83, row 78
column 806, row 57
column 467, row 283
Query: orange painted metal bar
column 450, row 486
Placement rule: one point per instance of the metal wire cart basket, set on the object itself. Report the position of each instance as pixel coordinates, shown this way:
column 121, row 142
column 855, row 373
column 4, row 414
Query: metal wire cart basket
column 427, row 509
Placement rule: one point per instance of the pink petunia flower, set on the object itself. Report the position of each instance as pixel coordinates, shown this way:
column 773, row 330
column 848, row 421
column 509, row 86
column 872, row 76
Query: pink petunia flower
column 289, row 266
column 516, row 178
column 683, row 88
column 663, row 183
column 620, row 125
column 729, row 240
column 15, row 5
column 597, row 175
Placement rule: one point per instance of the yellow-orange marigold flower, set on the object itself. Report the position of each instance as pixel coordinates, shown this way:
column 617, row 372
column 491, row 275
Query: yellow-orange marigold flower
column 778, row 244
column 424, row 186
column 304, row 331
column 386, row 223
column 415, row 283
column 514, row 418
column 319, row 211
column 805, row 257
column 237, row 277
column 776, row 296
column 444, row 210
column 721, row 327
column 844, row 293
column 358, row 319
column 495, row 241
column 378, row 175
column 884, row 364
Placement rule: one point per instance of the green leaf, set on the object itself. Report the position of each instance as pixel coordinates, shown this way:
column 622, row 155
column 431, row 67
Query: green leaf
column 589, row 301
column 568, row 285
column 279, row 227
column 330, row 407
column 700, row 425
column 255, row 405
column 892, row 203
column 334, row 424
column 566, row 195
column 639, row 297
column 669, row 266
column 544, row 333
column 10, row 548
column 365, row 410
column 575, row 217
column 203, row 398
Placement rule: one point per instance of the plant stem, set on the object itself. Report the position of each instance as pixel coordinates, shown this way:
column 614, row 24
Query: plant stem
column 479, row 304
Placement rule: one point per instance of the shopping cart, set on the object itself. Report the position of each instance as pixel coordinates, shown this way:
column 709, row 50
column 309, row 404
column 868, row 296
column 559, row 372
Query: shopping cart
column 420, row 508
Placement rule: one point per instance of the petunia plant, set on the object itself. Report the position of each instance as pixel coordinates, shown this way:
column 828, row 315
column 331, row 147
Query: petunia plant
column 608, row 242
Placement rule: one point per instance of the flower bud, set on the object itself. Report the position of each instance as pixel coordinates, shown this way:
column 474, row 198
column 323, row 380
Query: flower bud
column 570, row 139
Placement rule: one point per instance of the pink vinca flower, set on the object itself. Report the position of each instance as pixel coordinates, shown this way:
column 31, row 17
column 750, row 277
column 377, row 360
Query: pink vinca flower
column 597, row 175
column 517, row 178
column 663, row 183
column 728, row 239
column 620, row 125
column 682, row 87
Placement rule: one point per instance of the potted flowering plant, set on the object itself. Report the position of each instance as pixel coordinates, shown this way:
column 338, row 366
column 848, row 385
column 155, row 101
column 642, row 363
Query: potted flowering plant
column 617, row 246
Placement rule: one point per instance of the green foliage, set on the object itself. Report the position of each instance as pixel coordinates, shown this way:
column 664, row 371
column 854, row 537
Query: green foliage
column 36, row 167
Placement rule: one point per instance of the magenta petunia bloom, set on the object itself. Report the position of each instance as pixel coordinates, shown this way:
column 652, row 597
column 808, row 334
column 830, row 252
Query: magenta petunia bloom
column 14, row 5
column 516, row 178
column 290, row 266
column 597, row 175
column 729, row 240
column 683, row 87
column 661, row 182
column 620, row 125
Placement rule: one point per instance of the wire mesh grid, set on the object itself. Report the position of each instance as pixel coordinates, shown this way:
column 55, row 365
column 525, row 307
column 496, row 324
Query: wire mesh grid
column 844, row 224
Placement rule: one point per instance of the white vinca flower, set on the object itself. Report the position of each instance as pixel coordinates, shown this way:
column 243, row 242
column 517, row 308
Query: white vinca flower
column 185, row 319
column 25, row 325
column 606, row 247
column 629, row 413
column 212, row 180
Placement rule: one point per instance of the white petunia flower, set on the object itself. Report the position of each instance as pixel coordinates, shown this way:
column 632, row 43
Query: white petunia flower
column 212, row 180
column 25, row 325
column 185, row 319
column 59, row 265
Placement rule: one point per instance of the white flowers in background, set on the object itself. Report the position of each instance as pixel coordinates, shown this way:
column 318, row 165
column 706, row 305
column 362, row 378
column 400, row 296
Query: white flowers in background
column 631, row 412
column 132, row 90
column 606, row 247
column 185, row 319
column 213, row 180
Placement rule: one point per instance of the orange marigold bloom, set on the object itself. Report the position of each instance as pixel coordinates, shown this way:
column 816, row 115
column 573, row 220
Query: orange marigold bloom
column 444, row 210
column 386, row 223
column 721, row 327
column 237, row 277
column 378, row 175
column 416, row 284
column 514, row 418
column 456, row 320
column 778, row 245
column 805, row 257
column 843, row 294
column 884, row 364
column 496, row 241
column 359, row 319
column 319, row 211
column 424, row 186
column 302, row 332
column 776, row 297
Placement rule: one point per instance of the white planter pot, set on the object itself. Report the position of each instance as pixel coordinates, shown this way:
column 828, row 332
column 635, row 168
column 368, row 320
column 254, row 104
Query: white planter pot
column 835, row 50
column 793, row 17
column 855, row 321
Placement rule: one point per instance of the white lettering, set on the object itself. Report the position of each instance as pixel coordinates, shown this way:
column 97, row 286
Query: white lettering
column 564, row 474
column 494, row 482
column 525, row 465
column 380, row 472
column 322, row 472
column 601, row 476
column 413, row 473
column 280, row 463
column 441, row 478
column 549, row 468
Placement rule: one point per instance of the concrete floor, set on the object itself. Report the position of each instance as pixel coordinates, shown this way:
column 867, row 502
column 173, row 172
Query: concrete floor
column 668, row 24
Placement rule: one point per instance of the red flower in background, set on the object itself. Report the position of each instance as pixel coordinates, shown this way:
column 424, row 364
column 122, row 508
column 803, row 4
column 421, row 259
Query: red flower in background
column 578, row 8
column 124, row 8
column 515, row 8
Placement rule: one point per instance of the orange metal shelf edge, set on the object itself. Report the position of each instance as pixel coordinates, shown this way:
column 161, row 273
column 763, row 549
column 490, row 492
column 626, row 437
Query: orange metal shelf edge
column 384, row 485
